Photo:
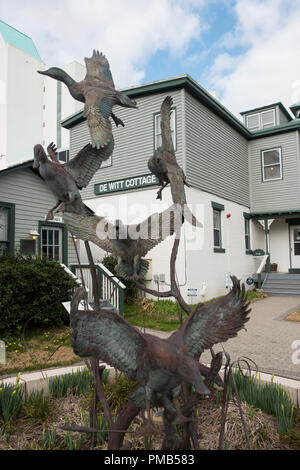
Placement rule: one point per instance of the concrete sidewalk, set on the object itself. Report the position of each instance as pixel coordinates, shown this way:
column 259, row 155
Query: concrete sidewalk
column 268, row 339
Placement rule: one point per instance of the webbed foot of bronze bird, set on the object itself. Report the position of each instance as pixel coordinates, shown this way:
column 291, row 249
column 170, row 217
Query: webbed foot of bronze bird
column 118, row 121
column 159, row 195
column 180, row 418
column 147, row 429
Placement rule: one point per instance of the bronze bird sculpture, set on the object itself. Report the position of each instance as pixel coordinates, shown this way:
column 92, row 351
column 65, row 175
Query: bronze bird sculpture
column 129, row 243
column 164, row 166
column 98, row 92
column 158, row 365
column 65, row 180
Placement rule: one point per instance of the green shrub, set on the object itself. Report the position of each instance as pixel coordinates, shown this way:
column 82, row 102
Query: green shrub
column 32, row 291
column 76, row 383
column 110, row 263
column 10, row 401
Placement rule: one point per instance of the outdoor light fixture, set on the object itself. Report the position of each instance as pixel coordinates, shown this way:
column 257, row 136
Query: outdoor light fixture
column 75, row 239
column 34, row 234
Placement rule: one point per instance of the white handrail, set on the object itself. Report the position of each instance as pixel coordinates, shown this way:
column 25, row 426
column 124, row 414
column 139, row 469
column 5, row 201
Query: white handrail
column 70, row 273
column 262, row 264
column 111, row 275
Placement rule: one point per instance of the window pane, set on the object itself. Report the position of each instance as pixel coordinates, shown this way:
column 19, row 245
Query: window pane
column 272, row 172
column 44, row 237
column 253, row 121
column 217, row 241
column 268, row 118
column 63, row 155
column 296, row 235
column 271, row 157
column 56, row 253
column 56, row 237
column 247, row 242
column 3, row 224
column 297, row 249
column 158, row 141
column 50, row 252
column 44, row 250
column 217, row 219
column 157, row 124
column 50, row 237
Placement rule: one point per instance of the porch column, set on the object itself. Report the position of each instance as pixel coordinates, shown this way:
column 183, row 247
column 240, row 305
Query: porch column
column 268, row 264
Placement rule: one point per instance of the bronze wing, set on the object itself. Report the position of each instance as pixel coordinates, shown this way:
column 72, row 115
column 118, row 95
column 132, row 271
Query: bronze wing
column 92, row 228
column 105, row 335
column 165, row 124
column 156, row 228
column 97, row 68
column 87, row 161
column 217, row 321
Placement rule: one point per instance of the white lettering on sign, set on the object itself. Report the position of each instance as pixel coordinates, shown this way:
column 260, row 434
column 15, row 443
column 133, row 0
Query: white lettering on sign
column 125, row 184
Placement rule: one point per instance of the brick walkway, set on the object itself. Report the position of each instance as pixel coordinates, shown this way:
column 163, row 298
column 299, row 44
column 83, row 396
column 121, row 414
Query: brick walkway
column 268, row 339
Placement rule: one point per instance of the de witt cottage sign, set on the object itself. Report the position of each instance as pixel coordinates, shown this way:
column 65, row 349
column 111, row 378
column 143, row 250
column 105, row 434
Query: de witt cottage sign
column 126, row 184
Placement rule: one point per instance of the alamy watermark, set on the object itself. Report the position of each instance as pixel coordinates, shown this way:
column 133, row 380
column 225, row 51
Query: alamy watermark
column 296, row 353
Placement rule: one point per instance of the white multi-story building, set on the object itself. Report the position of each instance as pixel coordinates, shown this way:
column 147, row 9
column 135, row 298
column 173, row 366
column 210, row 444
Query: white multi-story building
column 31, row 105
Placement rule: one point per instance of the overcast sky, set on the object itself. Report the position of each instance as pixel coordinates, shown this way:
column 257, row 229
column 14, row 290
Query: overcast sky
column 246, row 50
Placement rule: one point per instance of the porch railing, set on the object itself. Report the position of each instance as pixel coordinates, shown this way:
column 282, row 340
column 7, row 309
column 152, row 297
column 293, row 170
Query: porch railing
column 265, row 262
column 109, row 286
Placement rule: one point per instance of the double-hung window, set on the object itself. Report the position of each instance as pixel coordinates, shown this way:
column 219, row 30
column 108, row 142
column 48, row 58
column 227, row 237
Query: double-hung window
column 157, row 129
column 247, row 234
column 217, row 227
column 271, row 164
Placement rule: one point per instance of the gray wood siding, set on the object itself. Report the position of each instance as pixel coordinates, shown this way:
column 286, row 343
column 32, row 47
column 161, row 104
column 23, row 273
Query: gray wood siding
column 32, row 201
column 279, row 194
column 134, row 144
column 216, row 154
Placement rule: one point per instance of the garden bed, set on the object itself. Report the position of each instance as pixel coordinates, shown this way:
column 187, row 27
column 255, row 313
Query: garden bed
column 37, row 421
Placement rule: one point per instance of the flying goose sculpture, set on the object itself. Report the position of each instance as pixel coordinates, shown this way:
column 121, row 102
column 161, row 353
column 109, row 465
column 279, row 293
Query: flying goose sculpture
column 128, row 243
column 66, row 179
column 158, row 365
column 98, row 92
column 164, row 166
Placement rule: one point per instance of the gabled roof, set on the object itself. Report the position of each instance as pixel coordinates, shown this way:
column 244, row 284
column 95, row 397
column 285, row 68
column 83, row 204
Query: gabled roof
column 20, row 40
column 195, row 89
column 17, row 166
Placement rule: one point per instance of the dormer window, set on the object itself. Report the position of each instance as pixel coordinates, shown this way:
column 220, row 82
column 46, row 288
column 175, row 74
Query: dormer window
column 261, row 120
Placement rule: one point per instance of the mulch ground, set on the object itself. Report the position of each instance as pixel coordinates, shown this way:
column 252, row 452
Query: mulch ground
column 262, row 428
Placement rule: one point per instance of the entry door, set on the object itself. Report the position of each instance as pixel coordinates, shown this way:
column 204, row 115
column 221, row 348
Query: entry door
column 295, row 246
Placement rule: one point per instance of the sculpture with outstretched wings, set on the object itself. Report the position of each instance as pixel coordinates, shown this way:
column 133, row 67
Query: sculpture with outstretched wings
column 158, row 365
column 66, row 179
column 129, row 243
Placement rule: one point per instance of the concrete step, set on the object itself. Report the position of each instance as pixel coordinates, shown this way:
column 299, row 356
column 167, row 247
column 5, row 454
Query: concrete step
column 281, row 291
column 283, row 282
column 283, row 276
